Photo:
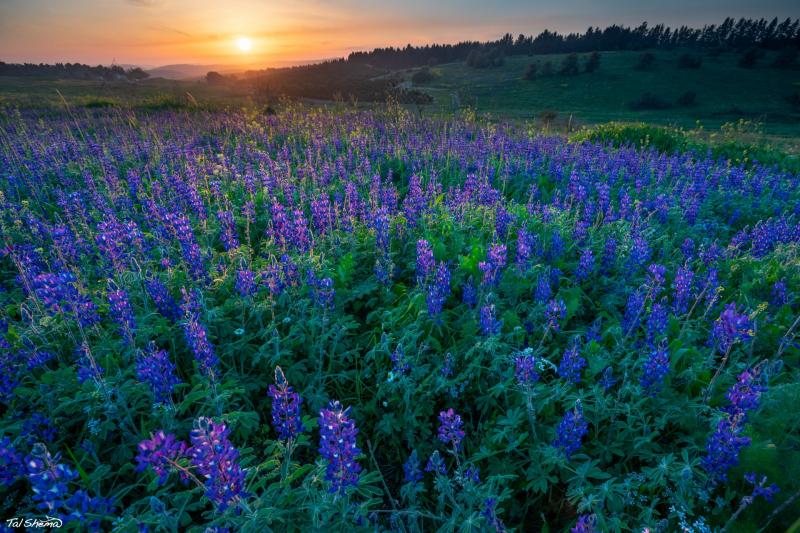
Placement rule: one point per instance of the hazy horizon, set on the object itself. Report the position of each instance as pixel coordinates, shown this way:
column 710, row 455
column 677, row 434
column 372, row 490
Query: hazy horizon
column 259, row 34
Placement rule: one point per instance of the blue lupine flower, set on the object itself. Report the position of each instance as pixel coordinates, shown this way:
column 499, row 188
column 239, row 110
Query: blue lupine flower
column 525, row 369
column 571, row 431
column 572, row 364
column 201, row 347
column 490, row 514
column 411, row 469
column 436, row 464
column 655, row 370
column 337, row 445
column 164, row 301
column 245, row 282
column 450, row 428
column 554, row 313
column 164, row 454
column 285, row 408
column 217, row 460
column 157, row 370
column 11, row 463
column 49, row 479
column 730, row 327
column 489, row 324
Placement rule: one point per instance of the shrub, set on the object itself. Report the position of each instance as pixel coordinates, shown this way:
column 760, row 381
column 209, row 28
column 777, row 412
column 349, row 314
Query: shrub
column 689, row 61
column 687, row 99
column 647, row 61
column 547, row 68
column 530, row 72
column 569, row 66
column 592, row 63
column 750, row 57
column 649, row 100
column 639, row 134
column 422, row 76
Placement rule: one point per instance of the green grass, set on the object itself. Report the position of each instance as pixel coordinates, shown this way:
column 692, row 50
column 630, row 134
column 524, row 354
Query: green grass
column 725, row 92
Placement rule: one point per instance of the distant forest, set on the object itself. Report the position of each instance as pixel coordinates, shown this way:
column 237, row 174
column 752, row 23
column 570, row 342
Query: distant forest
column 75, row 71
column 730, row 36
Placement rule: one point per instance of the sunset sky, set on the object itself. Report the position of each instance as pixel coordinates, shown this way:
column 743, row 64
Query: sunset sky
column 279, row 32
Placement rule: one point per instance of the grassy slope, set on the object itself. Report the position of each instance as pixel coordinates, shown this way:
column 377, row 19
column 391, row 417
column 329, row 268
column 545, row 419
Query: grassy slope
column 722, row 88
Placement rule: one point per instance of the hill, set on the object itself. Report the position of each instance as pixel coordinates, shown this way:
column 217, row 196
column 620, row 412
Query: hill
column 723, row 91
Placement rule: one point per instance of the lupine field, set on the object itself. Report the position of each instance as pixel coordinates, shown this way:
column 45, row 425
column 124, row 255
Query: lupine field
column 343, row 320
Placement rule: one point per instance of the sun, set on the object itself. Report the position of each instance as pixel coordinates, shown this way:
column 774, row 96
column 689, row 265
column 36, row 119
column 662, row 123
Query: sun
column 244, row 44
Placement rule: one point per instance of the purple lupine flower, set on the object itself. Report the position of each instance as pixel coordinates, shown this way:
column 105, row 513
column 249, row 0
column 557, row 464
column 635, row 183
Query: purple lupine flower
column 11, row 463
column 525, row 369
column 337, row 445
column 59, row 294
column 49, row 479
column 687, row 249
column 543, row 291
column 469, row 294
column 683, row 290
column 227, row 230
column 572, row 364
column 164, row 301
column 164, row 454
column 202, row 349
column 657, row 322
column 39, row 428
column 122, row 312
column 411, row 469
column 471, row 474
column 450, row 428
column 723, row 448
column 217, row 460
column 760, row 487
column 585, row 265
column 745, row 394
column 246, row 282
column 489, row 324
column 494, row 264
column 321, row 290
column 655, row 369
column 633, row 312
column 730, row 327
column 285, row 408
column 585, row 524
column 436, row 464
column 117, row 241
column 181, row 230
column 555, row 312
column 639, row 254
column 609, row 255
column 438, row 290
column 425, row 262
column 525, row 249
column 778, row 296
column 490, row 514
column 300, row 233
column 157, row 370
column 656, row 276
column 571, row 431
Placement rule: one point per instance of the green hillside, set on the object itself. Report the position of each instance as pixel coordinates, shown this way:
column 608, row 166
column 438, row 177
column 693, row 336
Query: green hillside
column 724, row 91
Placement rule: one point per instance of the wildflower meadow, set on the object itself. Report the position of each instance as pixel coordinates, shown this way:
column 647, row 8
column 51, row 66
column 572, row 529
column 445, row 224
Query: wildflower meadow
column 342, row 319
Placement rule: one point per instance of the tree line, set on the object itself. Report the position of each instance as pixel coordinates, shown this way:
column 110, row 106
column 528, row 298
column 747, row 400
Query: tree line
column 77, row 71
column 730, row 36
